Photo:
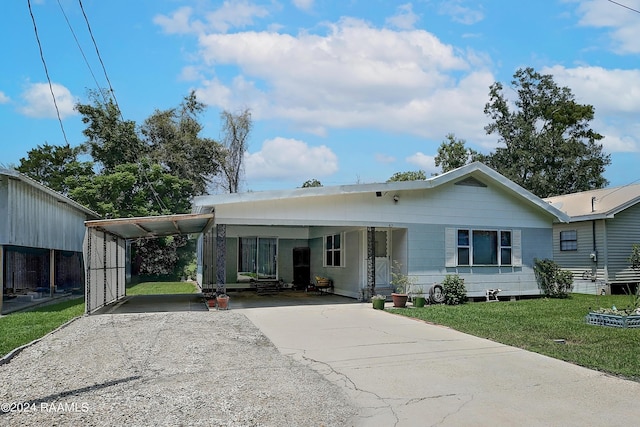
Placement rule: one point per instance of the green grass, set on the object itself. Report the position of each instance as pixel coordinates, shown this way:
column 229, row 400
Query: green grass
column 534, row 325
column 160, row 288
column 20, row 328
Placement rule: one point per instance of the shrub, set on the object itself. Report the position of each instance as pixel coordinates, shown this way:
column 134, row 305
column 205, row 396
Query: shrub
column 555, row 283
column 454, row 290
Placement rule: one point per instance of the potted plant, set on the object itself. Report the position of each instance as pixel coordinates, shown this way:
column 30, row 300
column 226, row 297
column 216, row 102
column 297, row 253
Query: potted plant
column 378, row 301
column 401, row 283
column 418, row 296
column 223, row 301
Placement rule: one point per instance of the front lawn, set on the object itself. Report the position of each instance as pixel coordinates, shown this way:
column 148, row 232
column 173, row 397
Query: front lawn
column 535, row 324
column 20, row 328
column 161, row 288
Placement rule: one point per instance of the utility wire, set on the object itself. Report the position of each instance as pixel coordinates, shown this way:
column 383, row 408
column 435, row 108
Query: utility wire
column 81, row 51
column 46, row 71
column 625, row 6
column 113, row 94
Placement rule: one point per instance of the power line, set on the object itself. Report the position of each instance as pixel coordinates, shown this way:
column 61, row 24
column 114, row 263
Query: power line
column 625, row 6
column 104, row 69
column 80, row 48
column 46, row 71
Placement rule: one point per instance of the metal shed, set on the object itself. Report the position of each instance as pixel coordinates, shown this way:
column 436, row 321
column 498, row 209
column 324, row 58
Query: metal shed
column 105, row 245
column 41, row 235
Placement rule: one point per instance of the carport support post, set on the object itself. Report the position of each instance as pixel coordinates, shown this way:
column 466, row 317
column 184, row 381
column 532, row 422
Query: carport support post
column 221, row 258
column 52, row 271
column 371, row 262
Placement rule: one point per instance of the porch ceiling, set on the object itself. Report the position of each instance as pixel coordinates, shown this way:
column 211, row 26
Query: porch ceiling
column 154, row 226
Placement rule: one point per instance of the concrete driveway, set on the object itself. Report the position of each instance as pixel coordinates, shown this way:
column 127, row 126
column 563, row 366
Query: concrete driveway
column 403, row 372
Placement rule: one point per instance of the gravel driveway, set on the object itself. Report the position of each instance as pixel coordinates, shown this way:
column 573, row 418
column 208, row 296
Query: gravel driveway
column 188, row 368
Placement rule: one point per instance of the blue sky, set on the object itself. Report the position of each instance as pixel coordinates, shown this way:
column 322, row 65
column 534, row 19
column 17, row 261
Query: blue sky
column 340, row 91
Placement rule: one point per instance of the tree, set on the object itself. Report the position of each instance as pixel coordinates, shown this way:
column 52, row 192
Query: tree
column 408, row 176
column 111, row 140
column 236, row 129
column 55, row 166
column 453, row 154
column 549, row 147
column 174, row 142
column 311, row 183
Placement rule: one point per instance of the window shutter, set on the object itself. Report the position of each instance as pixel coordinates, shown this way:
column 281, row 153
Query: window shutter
column 516, row 246
column 450, row 247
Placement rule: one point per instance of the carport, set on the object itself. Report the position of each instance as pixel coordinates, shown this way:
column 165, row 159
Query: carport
column 105, row 250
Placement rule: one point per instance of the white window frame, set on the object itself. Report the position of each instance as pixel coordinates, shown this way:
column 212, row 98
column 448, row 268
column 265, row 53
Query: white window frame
column 452, row 247
column 326, row 250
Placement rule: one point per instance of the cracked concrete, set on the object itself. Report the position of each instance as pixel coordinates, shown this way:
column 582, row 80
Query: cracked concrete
column 402, row 372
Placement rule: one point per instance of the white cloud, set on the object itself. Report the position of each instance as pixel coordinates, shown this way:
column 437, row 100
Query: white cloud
column 461, row 13
column 282, row 158
column 615, row 95
column 37, row 101
column 4, row 98
column 353, row 76
column 384, row 158
column 424, row 162
column 405, row 19
column 231, row 14
column 623, row 23
column 303, row 4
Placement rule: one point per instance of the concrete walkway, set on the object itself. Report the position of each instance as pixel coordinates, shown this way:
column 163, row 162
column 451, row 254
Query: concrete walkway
column 403, row 372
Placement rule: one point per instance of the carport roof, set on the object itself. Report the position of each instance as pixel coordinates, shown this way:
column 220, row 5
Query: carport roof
column 154, row 226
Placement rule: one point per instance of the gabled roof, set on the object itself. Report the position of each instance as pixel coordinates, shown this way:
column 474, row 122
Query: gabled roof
column 481, row 172
column 13, row 174
column 597, row 204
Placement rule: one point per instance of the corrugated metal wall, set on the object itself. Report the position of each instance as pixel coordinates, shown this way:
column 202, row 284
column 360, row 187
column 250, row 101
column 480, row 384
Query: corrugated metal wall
column 106, row 270
column 622, row 232
column 35, row 219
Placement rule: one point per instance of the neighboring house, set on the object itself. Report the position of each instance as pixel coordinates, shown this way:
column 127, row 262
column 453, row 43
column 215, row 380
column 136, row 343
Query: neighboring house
column 596, row 243
column 471, row 221
column 41, row 234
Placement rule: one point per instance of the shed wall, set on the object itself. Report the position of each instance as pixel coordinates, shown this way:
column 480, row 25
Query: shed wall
column 32, row 218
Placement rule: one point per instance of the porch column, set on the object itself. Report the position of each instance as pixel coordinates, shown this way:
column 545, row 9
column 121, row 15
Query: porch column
column 371, row 262
column 221, row 258
column 52, row 271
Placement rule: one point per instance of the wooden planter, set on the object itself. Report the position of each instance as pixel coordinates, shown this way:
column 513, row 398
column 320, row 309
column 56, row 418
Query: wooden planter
column 613, row 320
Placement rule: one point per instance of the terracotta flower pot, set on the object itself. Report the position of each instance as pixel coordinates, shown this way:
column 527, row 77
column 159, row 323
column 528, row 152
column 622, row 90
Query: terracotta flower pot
column 223, row 302
column 211, row 302
column 399, row 300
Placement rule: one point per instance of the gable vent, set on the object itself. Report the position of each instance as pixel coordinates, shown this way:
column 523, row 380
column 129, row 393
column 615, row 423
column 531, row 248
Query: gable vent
column 471, row 182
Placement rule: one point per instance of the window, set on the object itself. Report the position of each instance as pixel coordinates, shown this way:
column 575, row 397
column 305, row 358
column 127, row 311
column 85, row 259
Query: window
column 484, row 247
column 333, row 250
column 569, row 240
column 257, row 258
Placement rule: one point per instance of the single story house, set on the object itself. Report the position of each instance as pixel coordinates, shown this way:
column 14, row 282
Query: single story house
column 471, row 221
column 41, row 234
column 596, row 242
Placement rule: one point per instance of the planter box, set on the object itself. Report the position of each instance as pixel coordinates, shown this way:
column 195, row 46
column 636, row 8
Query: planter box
column 613, row 320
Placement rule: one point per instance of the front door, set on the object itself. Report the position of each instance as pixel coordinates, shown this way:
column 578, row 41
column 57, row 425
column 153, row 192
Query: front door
column 383, row 259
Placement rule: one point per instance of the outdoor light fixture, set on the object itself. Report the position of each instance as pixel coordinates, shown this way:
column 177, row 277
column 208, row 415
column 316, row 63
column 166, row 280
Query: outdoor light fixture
column 378, row 193
column 396, row 198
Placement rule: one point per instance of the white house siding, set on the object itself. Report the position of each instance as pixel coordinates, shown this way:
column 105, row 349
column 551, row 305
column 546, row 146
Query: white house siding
column 622, row 232
column 427, row 261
